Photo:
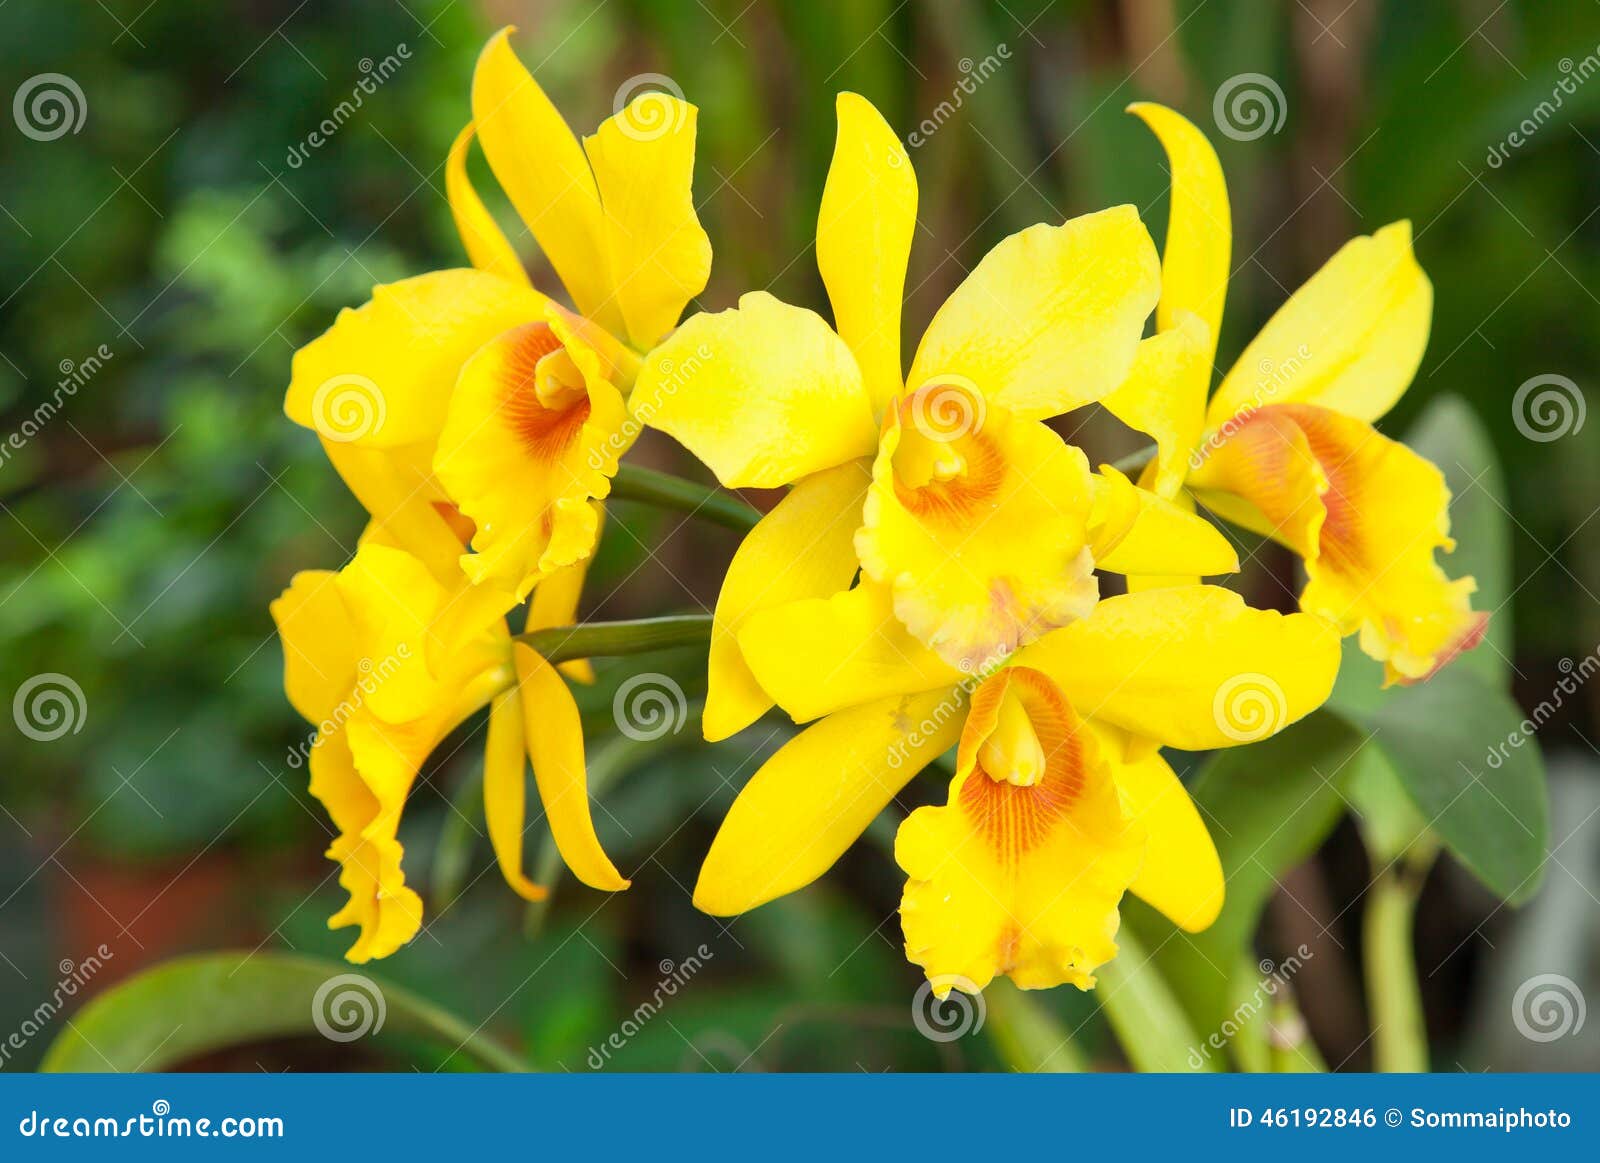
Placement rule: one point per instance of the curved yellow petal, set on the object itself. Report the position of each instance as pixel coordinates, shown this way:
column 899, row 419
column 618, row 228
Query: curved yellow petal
column 555, row 603
column 505, row 792
column 1192, row 667
column 660, row 258
column 1164, row 397
column 864, row 231
column 810, row 801
column 1159, row 537
column 320, row 651
column 555, row 746
column 978, row 521
column 1051, row 318
column 408, row 506
column 1022, row 871
column 1181, row 875
column 532, row 437
column 1350, row 339
column 1367, row 515
column 764, row 394
column 544, row 171
column 804, row 548
column 486, row 244
column 820, row 655
column 1194, row 264
column 381, row 375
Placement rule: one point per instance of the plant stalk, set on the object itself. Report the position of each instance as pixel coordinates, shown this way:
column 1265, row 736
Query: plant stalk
column 720, row 507
column 1399, row 1034
column 608, row 639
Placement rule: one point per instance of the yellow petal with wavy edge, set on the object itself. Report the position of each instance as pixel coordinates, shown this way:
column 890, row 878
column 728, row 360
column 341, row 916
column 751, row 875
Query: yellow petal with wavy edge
column 1021, row 873
column 1164, row 397
column 533, row 435
column 544, row 171
column 764, row 394
column 1194, row 263
column 381, row 375
column 555, row 603
column 864, row 230
column 505, row 792
column 555, row 746
column 660, row 258
column 485, row 243
column 320, row 651
column 821, row 655
column 978, row 521
column 408, row 506
column 1051, row 318
column 1192, row 667
column 804, row 548
column 1366, row 513
column 1159, row 537
column 1181, row 875
column 818, row 793
column 1350, row 339
column 391, row 601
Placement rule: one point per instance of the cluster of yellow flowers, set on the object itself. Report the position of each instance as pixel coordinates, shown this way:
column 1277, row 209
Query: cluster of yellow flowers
column 930, row 579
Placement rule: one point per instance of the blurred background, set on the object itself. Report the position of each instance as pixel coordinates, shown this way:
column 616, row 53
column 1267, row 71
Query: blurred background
column 164, row 253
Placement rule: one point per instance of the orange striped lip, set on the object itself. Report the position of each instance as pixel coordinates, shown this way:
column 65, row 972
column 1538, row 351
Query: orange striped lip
column 545, row 431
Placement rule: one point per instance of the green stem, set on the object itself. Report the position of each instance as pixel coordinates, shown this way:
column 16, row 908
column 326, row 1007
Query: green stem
column 1027, row 1036
column 634, row 483
column 1399, row 1034
column 606, row 639
column 1135, row 460
column 1154, row 1031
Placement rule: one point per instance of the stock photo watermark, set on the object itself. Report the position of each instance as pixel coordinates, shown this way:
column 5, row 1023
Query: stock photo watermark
column 674, row 976
column 375, row 74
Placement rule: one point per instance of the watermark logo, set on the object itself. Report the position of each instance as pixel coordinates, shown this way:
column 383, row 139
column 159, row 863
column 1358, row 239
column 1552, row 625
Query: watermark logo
column 48, row 706
column 648, row 106
column 1249, row 106
column 1275, row 978
column 374, row 74
column 1573, row 75
column 75, row 976
column 1548, row 407
column 961, row 1011
column 948, row 410
column 1249, row 707
column 1548, row 1007
column 649, row 706
column 48, row 106
column 973, row 74
column 348, row 407
column 674, row 976
column 348, row 1007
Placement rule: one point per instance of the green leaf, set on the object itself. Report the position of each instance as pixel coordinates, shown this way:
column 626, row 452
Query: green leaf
column 1268, row 806
column 1458, row 747
column 190, row 1006
column 1149, row 1020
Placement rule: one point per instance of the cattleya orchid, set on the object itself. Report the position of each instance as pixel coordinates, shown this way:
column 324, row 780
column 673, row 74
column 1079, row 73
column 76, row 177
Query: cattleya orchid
column 465, row 408
column 1286, row 446
column 974, row 527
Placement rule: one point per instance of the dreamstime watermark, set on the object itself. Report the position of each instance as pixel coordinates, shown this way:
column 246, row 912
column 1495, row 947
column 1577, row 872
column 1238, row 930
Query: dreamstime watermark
column 74, row 976
column 74, row 375
column 973, row 74
column 1548, row 1007
column 1249, row 707
column 648, row 106
column 160, row 1123
column 674, row 376
column 674, row 976
column 948, row 409
column 369, row 677
column 1271, row 378
column 1548, row 407
column 348, row 1007
column 48, row 706
column 918, row 734
column 374, row 75
column 1275, row 978
column 959, row 1012
column 1574, row 75
column 49, row 105
column 348, row 407
column 1575, row 675
column 1248, row 106
column 649, row 706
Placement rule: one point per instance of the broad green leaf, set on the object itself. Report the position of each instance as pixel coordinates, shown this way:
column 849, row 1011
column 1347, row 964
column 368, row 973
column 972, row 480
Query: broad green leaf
column 1149, row 1020
column 1268, row 806
column 190, row 1006
column 1459, row 748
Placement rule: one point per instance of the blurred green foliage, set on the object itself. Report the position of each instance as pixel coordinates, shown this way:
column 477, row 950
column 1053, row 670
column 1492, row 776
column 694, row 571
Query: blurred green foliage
column 149, row 523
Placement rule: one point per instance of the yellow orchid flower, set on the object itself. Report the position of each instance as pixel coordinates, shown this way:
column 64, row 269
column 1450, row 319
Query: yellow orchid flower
column 980, row 526
column 386, row 661
column 1286, row 446
column 1061, row 800
column 464, row 405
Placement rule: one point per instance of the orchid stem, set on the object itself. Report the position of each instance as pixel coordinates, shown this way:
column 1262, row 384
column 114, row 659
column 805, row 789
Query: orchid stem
column 720, row 507
column 606, row 639
column 1135, row 460
column 1399, row 1034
